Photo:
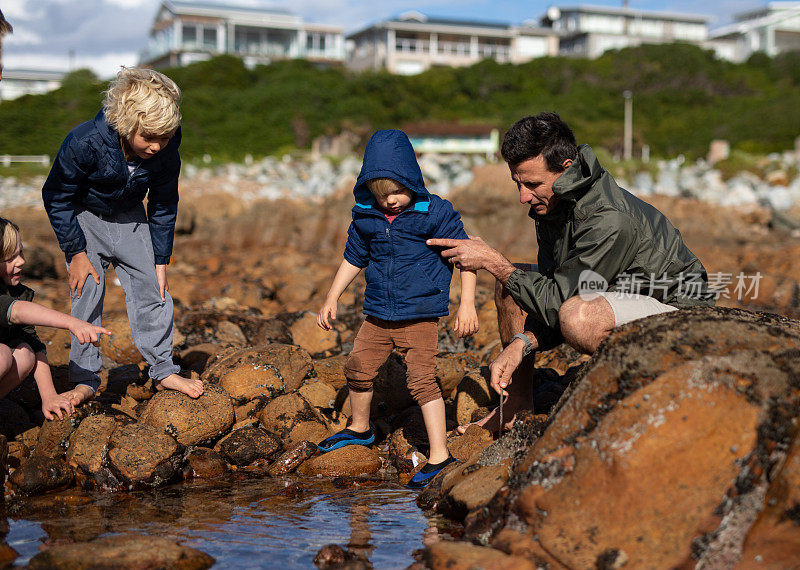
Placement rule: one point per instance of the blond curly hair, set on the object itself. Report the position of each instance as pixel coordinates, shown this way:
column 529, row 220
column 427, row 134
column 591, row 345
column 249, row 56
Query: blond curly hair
column 144, row 101
column 10, row 240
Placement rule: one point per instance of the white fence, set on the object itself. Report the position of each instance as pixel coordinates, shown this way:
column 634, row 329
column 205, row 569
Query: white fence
column 7, row 159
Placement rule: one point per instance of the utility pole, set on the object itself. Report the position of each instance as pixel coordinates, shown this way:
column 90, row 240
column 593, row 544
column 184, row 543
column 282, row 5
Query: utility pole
column 627, row 149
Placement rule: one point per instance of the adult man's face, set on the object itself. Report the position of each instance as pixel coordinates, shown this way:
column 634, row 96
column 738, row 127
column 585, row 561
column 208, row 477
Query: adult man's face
column 535, row 183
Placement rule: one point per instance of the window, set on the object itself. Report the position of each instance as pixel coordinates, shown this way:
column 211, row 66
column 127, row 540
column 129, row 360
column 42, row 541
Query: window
column 189, row 35
column 210, row 38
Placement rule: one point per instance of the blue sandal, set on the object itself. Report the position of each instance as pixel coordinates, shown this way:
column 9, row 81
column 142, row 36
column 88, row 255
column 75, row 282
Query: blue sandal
column 347, row 437
column 425, row 475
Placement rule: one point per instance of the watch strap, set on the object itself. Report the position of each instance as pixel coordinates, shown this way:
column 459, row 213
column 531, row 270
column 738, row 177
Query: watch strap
column 528, row 344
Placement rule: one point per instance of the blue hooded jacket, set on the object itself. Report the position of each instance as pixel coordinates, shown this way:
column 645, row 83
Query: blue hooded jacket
column 90, row 173
column 406, row 279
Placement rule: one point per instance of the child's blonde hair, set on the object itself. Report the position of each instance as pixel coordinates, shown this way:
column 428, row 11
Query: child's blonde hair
column 144, row 101
column 9, row 239
column 382, row 187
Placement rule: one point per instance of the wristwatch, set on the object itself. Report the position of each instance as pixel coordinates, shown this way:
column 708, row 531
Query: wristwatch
column 528, row 344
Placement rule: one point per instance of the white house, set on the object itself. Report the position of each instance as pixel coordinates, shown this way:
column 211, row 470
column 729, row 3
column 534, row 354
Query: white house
column 185, row 32
column 771, row 29
column 19, row 82
column 589, row 31
column 412, row 43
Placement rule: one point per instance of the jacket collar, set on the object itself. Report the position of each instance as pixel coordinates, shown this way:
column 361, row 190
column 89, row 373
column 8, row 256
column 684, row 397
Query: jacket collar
column 573, row 184
column 110, row 136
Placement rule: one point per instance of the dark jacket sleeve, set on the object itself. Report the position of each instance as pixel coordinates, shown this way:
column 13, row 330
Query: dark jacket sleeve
column 59, row 193
column 449, row 225
column 355, row 250
column 595, row 249
column 162, row 203
column 5, row 302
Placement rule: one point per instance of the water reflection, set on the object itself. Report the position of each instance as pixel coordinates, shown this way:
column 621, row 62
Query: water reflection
column 246, row 522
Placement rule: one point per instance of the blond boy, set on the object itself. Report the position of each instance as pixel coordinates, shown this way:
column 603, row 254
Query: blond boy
column 93, row 196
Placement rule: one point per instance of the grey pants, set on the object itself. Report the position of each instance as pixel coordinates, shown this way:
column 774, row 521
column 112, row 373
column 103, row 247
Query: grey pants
column 124, row 241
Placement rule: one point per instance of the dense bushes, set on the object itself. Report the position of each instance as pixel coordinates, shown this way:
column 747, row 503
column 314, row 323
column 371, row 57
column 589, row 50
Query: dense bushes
column 683, row 98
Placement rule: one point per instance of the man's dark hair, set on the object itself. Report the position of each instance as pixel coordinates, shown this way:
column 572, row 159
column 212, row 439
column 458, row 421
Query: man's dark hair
column 544, row 134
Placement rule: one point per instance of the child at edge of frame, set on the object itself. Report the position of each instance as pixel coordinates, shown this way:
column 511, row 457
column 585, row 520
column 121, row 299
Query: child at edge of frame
column 21, row 351
column 407, row 290
column 94, row 199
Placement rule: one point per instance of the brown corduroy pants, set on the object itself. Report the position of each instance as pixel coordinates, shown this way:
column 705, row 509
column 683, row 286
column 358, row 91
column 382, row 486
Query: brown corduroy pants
column 417, row 339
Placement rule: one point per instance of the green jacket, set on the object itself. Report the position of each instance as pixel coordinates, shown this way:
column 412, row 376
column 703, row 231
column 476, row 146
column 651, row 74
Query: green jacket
column 602, row 228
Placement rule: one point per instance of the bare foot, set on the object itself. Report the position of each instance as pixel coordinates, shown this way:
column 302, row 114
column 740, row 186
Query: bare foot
column 79, row 394
column 491, row 421
column 191, row 387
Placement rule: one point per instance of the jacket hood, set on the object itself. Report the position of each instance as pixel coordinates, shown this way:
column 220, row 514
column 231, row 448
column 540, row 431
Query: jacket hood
column 110, row 136
column 579, row 176
column 389, row 154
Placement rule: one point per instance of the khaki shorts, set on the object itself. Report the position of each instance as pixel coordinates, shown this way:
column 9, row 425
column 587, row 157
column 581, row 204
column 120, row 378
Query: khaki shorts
column 628, row 307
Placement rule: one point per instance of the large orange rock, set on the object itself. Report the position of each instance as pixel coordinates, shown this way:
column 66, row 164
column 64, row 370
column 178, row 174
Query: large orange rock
column 292, row 364
column 350, row 460
column 142, row 455
column 660, row 455
column 88, row 444
column 309, row 336
column 191, row 420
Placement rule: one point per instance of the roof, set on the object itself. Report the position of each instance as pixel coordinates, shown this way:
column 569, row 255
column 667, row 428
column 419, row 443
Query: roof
column 186, row 5
column 408, row 20
column 33, row 74
column 587, row 8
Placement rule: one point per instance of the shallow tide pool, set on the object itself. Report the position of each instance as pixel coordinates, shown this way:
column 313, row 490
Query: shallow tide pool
column 242, row 522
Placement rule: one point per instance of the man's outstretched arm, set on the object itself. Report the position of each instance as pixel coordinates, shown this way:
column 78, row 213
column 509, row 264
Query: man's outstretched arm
column 474, row 254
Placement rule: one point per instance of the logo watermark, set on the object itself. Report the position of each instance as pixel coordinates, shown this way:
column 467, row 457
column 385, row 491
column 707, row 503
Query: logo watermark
column 739, row 287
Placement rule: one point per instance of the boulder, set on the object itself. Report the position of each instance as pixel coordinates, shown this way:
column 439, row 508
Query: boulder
column 474, row 440
column 123, row 552
column 331, row 370
column 284, row 412
column 464, row 556
column 228, row 333
column 292, row 458
column 292, row 363
column 53, row 437
column 37, row 475
column 249, row 381
column 190, row 421
column 307, row 335
column 205, row 463
column 350, row 460
column 313, row 431
column 677, row 423
column 318, row 394
column 246, row 445
column 88, row 444
column 141, row 454
column 450, row 369
column 473, row 393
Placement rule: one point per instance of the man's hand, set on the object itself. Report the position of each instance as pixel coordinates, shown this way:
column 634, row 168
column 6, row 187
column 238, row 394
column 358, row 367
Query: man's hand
column 163, row 285
column 79, row 270
column 504, row 366
column 473, row 254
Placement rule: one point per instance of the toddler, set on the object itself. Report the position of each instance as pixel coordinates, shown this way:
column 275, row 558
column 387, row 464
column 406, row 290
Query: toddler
column 407, row 290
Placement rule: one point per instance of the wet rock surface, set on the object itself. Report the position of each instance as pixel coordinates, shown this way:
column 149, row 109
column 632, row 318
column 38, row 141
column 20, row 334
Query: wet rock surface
column 40, row 474
column 246, row 445
column 141, row 454
column 128, row 552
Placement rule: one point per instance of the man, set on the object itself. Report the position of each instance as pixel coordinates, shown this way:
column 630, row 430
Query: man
column 5, row 28
column 605, row 258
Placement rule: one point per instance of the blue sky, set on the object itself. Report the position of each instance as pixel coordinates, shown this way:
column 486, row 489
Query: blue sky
column 104, row 34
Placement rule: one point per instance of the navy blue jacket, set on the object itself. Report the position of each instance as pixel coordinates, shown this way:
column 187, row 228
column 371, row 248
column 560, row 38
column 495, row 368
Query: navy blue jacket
column 406, row 279
column 90, row 173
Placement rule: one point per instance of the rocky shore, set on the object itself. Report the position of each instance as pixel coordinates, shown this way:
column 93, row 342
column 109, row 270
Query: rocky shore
column 674, row 446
